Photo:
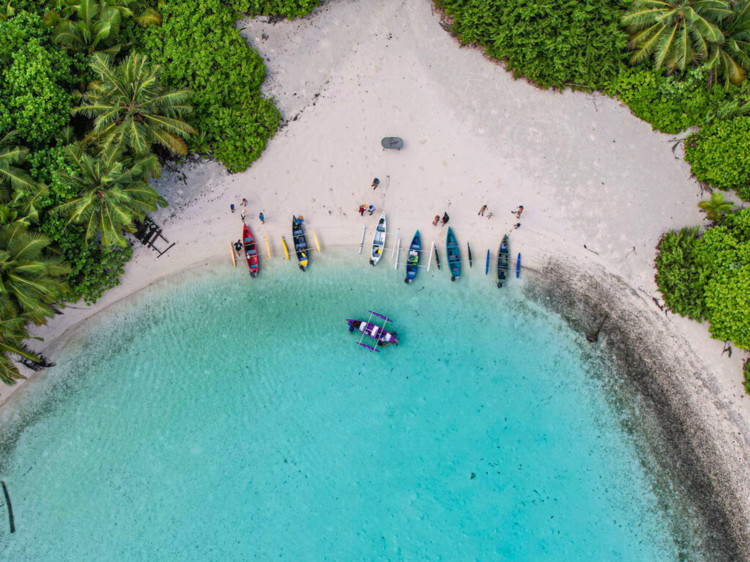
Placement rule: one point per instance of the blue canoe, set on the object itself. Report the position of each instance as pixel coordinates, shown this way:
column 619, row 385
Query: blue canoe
column 503, row 262
column 454, row 255
column 518, row 266
column 412, row 258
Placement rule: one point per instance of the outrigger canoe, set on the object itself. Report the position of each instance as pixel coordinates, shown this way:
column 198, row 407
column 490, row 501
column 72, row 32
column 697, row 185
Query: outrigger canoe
column 251, row 252
column 454, row 255
column 378, row 240
column 300, row 243
column 378, row 333
column 412, row 258
column 503, row 262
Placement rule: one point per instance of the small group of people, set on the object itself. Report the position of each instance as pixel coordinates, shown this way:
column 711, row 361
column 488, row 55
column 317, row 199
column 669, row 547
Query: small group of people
column 442, row 221
column 363, row 207
column 243, row 213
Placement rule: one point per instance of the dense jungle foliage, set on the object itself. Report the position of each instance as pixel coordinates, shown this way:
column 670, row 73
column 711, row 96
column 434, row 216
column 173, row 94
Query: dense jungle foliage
column 94, row 96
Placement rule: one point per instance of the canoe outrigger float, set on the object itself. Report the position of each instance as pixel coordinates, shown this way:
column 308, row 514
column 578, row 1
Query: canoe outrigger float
column 412, row 258
column 378, row 333
column 503, row 262
column 300, row 243
column 454, row 255
column 378, row 240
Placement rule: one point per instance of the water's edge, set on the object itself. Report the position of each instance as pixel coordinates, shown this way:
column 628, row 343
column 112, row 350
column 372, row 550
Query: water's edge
column 653, row 384
column 656, row 370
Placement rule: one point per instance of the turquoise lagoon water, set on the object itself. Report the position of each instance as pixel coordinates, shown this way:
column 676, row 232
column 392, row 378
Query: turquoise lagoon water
column 215, row 418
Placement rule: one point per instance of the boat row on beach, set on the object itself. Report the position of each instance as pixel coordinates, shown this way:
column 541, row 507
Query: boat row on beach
column 300, row 247
column 453, row 251
column 453, row 254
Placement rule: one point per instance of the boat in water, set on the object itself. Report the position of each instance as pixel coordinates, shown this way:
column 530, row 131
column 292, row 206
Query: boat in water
column 251, row 252
column 367, row 328
column 454, row 255
column 300, row 243
column 412, row 258
column 378, row 240
column 503, row 262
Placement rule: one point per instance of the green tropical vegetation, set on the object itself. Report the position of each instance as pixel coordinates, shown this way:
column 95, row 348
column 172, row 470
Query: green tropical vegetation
column 555, row 44
column 716, row 207
column 707, row 276
column 94, row 96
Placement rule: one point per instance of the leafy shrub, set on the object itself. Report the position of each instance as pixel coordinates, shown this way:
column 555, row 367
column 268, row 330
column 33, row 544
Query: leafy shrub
column 709, row 277
column 720, row 155
column 678, row 277
column 290, row 9
column 553, row 43
column 201, row 50
column 670, row 104
column 746, row 372
column 34, row 96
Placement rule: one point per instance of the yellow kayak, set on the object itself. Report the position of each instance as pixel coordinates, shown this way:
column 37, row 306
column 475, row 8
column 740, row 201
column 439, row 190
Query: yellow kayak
column 231, row 251
column 316, row 241
column 286, row 250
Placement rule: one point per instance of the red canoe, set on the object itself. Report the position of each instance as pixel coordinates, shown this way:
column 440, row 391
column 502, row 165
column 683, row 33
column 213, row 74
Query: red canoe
column 251, row 252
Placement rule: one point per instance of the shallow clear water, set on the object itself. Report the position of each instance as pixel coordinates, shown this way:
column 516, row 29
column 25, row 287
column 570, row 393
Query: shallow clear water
column 219, row 418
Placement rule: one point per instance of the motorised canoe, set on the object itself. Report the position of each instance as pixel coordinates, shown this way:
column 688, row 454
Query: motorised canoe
column 378, row 240
column 454, row 255
column 412, row 258
column 503, row 262
column 300, row 243
column 251, row 252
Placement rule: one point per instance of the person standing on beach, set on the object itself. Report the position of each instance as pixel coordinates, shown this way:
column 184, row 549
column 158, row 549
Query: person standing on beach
column 243, row 214
column 375, row 183
column 362, row 210
column 232, row 207
column 370, row 209
column 446, row 218
column 489, row 215
column 482, row 210
column 517, row 226
column 262, row 218
column 518, row 212
column 238, row 247
column 244, row 202
column 436, row 220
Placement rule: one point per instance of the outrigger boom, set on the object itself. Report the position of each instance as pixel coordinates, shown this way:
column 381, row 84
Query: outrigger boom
column 378, row 333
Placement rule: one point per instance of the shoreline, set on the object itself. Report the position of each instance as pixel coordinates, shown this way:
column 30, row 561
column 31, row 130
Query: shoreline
column 698, row 443
column 675, row 420
column 587, row 171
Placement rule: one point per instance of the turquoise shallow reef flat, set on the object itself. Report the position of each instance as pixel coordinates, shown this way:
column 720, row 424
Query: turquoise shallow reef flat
column 216, row 418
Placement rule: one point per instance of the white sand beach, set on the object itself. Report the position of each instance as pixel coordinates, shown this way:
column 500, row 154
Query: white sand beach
column 598, row 186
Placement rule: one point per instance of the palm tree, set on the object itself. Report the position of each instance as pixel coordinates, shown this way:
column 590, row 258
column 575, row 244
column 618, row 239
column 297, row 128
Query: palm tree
column 111, row 193
column 677, row 33
column 731, row 57
column 17, row 188
column 715, row 208
column 131, row 109
column 89, row 26
column 30, row 278
column 11, row 155
column 12, row 335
